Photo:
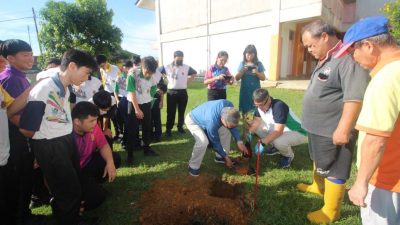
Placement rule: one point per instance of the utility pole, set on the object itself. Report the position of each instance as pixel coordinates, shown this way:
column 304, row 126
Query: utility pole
column 29, row 35
column 37, row 32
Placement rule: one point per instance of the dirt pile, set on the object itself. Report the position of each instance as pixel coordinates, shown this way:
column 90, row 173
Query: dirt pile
column 202, row 200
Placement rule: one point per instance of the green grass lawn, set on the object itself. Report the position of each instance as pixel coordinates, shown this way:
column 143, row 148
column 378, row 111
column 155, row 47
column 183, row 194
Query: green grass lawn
column 279, row 202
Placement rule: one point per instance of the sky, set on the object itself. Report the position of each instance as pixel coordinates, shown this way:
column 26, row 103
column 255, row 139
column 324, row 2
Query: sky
column 137, row 25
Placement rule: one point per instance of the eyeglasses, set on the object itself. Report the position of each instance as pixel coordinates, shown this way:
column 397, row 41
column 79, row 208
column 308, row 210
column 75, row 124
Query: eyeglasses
column 259, row 105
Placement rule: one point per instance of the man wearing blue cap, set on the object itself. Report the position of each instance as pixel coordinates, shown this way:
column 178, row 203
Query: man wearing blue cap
column 331, row 106
column 377, row 186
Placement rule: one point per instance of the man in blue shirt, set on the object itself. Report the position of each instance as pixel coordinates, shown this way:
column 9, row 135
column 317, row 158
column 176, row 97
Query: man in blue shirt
column 217, row 120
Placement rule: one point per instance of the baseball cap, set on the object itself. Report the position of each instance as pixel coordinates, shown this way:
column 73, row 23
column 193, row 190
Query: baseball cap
column 364, row 28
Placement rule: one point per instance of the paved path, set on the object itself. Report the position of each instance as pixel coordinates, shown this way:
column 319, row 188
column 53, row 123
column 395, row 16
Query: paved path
column 287, row 84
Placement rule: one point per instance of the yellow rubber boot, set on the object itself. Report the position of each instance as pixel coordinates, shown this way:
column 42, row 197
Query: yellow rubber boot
column 332, row 203
column 317, row 186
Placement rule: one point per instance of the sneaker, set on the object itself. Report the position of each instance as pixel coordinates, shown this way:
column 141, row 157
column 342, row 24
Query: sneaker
column 271, row 151
column 168, row 133
column 150, row 152
column 193, row 172
column 219, row 160
column 285, row 162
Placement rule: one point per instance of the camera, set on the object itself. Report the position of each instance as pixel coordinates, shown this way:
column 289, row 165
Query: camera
column 250, row 67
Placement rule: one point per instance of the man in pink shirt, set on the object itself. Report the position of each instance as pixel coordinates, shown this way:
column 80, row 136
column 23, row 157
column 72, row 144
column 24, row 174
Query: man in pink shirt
column 97, row 161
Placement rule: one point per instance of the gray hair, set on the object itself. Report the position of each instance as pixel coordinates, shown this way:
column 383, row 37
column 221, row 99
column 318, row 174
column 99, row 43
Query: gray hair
column 318, row 27
column 230, row 115
column 385, row 39
column 260, row 95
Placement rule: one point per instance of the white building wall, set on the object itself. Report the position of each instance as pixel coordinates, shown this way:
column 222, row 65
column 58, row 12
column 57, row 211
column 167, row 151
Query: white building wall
column 365, row 8
column 194, row 50
column 201, row 33
column 235, row 43
column 182, row 14
column 223, row 9
column 287, row 49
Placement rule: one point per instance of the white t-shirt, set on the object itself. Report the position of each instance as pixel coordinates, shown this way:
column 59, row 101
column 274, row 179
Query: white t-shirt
column 47, row 73
column 109, row 77
column 5, row 101
column 142, row 86
column 177, row 76
column 48, row 111
column 86, row 90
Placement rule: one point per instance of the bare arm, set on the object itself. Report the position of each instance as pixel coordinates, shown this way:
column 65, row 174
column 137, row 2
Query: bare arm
column 350, row 113
column 372, row 150
column 191, row 77
column 256, row 122
column 18, row 104
column 27, row 133
column 138, row 112
column 260, row 75
column 110, row 169
column 116, row 97
column 240, row 74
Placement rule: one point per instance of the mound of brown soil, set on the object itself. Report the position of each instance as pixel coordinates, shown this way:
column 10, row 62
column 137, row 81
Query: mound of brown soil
column 202, row 200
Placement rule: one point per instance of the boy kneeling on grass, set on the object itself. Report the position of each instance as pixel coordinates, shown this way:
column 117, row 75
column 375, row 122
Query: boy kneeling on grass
column 97, row 161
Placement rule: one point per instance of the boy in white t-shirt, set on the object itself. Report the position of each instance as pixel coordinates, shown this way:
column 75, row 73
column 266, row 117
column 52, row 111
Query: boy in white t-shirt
column 139, row 88
column 47, row 120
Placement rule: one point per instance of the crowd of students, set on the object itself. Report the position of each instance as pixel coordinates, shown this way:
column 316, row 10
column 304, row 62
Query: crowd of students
column 56, row 143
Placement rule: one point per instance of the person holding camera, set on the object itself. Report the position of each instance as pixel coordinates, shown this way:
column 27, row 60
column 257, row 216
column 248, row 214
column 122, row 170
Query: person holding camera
column 217, row 77
column 251, row 72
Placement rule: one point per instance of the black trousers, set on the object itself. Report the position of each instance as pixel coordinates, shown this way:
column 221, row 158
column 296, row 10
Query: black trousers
column 133, row 127
column 93, row 194
column 116, row 119
column 176, row 99
column 16, row 180
column 216, row 94
column 59, row 161
column 156, row 117
column 123, row 108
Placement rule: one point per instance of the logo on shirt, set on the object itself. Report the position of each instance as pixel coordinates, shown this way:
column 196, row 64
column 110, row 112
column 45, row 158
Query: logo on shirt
column 57, row 112
column 324, row 74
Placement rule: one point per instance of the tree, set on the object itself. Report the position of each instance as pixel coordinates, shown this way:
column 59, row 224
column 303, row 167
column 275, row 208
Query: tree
column 84, row 24
column 392, row 11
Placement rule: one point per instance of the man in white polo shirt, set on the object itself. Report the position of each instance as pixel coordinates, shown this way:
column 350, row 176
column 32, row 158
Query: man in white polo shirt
column 178, row 75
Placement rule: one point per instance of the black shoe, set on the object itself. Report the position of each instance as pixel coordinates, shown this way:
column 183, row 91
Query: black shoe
column 168, row 133
column 38, row 201
column 150, row 152
column 181, row 130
